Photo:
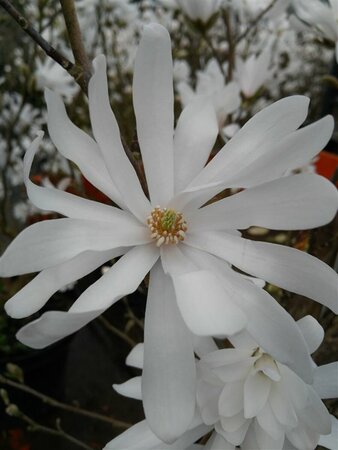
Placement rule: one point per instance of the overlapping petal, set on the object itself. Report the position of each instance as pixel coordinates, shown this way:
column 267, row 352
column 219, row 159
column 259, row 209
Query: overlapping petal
column 122, row 279
column 107, row 135
column 168, row 381
column 325, row 381
column 48, row 243
column 153, row 98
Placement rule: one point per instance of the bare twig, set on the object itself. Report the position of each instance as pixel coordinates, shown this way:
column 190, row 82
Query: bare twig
column 75, row 39
column 70, row 408
column 231, row 45
column 255, row 22
column 34, row 426
column 117, row 332
column 73, row 69
column 214, row 52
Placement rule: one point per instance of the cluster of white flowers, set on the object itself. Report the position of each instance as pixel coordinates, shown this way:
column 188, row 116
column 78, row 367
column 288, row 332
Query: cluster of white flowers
column 206, row 280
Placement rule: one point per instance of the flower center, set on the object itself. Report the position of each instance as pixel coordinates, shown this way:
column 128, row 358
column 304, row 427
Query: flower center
column 167, row 226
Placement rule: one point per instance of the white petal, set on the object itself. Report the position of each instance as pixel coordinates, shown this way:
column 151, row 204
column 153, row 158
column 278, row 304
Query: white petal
column 312, row 331
column 154, row 109
column 48, row 243
column 281, row 405
column 135, row 357
column 226, row 357
column 325, row 380
column 315, row 415
column 217, row 442
column 265, row 441
column 269, row 423
column 330, row 441
column 207, row 399
column 130, row 388
column 168, row 382
column 35, row 294
column 268, row 323
column 231, row 399
column 195, row 135
column 122, row 279
column 51, row 199
column 267, row 127
column 256, row 392
column 234, row 437
column 204, row 345
column 291, row 203
column 107, row 135
column 283, row 266
column 137, row 437
column 303, row 437
column 68, row 139
column 234, row 372
column 204, row 305
column 234, row 423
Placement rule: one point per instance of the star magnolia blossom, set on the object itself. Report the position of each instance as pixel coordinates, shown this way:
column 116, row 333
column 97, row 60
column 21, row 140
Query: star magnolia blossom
column 210, row 87
column 320, row 16
column 201, row 10
column 190, row 290
column 250, row 399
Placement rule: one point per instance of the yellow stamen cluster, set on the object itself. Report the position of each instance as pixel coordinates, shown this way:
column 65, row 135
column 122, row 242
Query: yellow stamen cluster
column 167, row 226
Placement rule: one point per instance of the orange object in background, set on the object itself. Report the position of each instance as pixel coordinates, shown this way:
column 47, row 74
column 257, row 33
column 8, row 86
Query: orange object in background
column 327, row 165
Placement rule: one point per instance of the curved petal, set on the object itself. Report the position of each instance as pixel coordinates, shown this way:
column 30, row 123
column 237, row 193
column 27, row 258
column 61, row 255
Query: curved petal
column 256, row 393
column 255, row 138
column 130, row 388
column 231, row 399
column 122, row 279
column 36, row 293
column 169, row 374
column 296, row 202
column 136, row 356
column 64, row 203
column 269, row 324
column 69, row 139
column 312, row 331
column 195, row 135
column 330, row 441
column 107, row 135
column 48, row 243
column 153, row 97
column 325, row 381
column 283, row 266
column 217, row 442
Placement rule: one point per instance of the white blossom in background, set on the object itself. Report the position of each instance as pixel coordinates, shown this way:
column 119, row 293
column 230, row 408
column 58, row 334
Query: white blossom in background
column 50, row 74
column 254, row 72
column 248, row 398
column 201, row 10
column 211, row 88
column 188, row 250
column 320, row 17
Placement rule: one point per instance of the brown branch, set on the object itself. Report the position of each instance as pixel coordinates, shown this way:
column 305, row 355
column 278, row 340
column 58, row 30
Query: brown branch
column 117, row 332
column 70, row 408
column 255, row 22
column 73, row 69
column 231, row 44
column 75, row 39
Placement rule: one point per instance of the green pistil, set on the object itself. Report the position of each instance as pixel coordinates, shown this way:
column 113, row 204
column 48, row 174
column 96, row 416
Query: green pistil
column 168, row 219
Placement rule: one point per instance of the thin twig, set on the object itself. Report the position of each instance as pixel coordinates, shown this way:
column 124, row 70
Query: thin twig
column 75, row 39
column 35, row 426
column 117, row 332
column 255, row 22
column 70, row 408
column 73, row 69
column 231, row 45
column 214, row 52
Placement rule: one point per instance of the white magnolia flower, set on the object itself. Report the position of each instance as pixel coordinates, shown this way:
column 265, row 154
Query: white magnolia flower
column 201, row 10
column 321, row 17
column 250, row 399
column 211, row 87
column 176, row 240
column 252, row 73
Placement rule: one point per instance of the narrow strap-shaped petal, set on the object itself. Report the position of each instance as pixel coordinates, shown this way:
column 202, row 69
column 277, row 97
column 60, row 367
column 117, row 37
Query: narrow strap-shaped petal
column 48, row 243
column 264, row 129
column 325, row 381
column 122, row 279
column 64, row 203
column 283, row 266
column 169, row 374
column 36, row 293
column 80, row 148
column 130, row 388
column 296, row 202
column 312, row 331
column 330, row 441
column 136, row 356
column 154, row 109
column 107, row 135
column 268, row 323
column 195, row 135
